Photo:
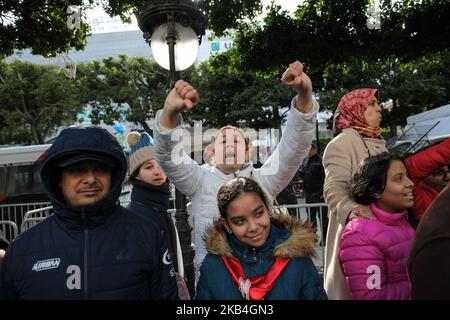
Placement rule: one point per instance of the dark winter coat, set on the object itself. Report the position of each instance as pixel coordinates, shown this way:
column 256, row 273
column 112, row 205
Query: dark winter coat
column 429, row 260
column 100, row 251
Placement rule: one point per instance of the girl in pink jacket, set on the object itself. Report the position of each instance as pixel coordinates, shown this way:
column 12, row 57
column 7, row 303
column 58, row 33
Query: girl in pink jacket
column 373, row 252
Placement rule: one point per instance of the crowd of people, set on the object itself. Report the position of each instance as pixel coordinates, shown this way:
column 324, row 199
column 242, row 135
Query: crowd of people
column 92, row 247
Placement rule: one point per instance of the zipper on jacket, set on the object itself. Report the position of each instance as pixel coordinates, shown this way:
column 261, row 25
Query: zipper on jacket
column 85, row 255
column 255, row 254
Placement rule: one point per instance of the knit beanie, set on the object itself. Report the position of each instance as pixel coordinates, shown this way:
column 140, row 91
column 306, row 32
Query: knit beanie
column 141, row 146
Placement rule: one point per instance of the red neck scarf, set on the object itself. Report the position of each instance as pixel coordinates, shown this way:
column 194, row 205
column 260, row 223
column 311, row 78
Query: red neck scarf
column 350, row 112
column 255, row 288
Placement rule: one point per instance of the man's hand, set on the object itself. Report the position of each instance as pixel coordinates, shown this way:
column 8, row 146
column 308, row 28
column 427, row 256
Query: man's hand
column 361, row 211
column 183, row 96
column 294, row 77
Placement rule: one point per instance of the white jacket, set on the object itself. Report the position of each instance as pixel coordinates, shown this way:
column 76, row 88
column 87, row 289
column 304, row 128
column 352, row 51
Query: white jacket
column 201, row 183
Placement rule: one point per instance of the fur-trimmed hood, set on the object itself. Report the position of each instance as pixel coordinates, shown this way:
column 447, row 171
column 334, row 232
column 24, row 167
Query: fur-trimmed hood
column 299, row 244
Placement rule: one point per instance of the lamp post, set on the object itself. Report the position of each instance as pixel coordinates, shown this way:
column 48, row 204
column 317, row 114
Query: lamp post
column 317, row 137
column 174, row 29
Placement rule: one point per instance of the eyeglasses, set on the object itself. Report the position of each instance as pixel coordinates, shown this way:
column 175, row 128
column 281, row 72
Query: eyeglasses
column 440, row 172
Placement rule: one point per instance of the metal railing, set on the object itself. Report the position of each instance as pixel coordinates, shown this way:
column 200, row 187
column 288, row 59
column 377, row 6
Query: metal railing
column 15, row 213
column 35, row 216
column 9, row 229
column 305, row 211
column 29, row 214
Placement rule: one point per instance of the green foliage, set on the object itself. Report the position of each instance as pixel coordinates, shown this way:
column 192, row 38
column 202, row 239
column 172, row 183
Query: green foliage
column 337, row 31
column 412, row 87
column 405, row 57
column 36, row 100
column 42, row 26
column 124, row 88
column 229, row 14
column 323, row 142
column 238, row 98
column 319, row 32
column 134, row 89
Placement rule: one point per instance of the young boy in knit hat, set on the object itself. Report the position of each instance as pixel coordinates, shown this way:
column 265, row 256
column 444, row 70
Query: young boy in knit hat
column 151, row 192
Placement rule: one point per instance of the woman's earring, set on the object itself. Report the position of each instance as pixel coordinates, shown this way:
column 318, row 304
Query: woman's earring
column 230, row 231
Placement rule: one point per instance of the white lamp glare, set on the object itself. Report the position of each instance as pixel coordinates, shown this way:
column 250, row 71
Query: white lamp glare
column 186, row 47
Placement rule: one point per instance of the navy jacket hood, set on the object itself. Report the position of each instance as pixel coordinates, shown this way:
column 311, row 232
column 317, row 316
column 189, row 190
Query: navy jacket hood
column 90, row 140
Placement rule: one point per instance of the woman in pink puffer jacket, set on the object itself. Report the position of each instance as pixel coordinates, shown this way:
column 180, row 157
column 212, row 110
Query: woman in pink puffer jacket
column 373, row 253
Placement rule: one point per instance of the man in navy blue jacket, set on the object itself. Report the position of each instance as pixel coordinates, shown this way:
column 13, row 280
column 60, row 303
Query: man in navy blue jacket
column 91, row 247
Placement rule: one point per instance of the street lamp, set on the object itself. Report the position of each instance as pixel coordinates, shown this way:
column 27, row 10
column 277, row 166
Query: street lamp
column 174, row 30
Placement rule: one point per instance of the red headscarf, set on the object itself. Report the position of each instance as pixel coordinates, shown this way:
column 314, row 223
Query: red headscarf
column 350, row 112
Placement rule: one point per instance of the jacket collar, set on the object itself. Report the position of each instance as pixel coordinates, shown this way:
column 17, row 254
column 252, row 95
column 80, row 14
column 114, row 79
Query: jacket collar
column 151, row 196
column 85, row 217
column 288, row 238
column 388, row 218
column 252, row 255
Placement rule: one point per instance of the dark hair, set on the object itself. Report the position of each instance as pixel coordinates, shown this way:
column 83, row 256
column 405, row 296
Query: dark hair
column 232, row 189
column 371, row 177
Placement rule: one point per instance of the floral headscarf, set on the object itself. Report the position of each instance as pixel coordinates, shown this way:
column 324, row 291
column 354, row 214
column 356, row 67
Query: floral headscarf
column 350, row 112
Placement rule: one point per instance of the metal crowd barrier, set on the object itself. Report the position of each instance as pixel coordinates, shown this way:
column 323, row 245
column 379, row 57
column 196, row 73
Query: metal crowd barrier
column 34, row 217
column 9, row 229
column 303, row 212
column 15, row 213
column 29, row 214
